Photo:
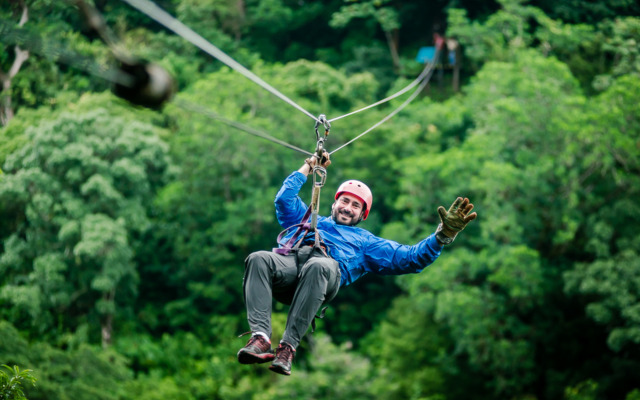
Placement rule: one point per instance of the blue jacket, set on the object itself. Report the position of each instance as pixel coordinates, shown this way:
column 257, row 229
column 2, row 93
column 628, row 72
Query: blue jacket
column 356, row 250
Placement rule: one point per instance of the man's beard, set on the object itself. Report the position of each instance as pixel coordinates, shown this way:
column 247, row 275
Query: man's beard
column 336, row 213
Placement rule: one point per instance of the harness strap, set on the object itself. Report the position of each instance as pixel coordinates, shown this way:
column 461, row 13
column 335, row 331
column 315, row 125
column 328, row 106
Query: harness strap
column 321, row 316
column 291, row 243
column 319, row 178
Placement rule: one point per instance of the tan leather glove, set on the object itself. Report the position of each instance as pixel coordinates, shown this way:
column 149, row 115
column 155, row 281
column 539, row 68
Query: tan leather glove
column 324, row 162
column 454, row 220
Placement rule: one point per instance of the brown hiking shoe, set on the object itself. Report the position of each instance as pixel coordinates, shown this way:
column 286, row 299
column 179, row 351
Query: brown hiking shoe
column 257, row 351
column 284, row 357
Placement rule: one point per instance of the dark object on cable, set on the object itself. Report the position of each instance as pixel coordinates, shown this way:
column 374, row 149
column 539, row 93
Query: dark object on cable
column 150, row 85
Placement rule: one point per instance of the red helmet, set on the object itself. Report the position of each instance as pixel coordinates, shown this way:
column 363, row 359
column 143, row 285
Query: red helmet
column 360, row 190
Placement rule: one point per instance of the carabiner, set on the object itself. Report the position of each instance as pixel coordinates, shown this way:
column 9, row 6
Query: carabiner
column 319, row 176
column 322, row 119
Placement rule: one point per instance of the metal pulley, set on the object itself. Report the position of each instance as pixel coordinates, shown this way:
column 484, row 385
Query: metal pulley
column 140, row 82
column 319, row 172
column 322, row 120
column 150, row 85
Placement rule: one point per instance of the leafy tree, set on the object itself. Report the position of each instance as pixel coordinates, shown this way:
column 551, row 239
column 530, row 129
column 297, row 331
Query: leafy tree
column 487, row 295
column 78, row 192
column 20, row 56
column 606, row 280
column 45, row 54
column 11, row 383
column 592, row 12
column 386, row 16
column 406, row 351
column 518, row 26
column 621, row 41
column 79, row 372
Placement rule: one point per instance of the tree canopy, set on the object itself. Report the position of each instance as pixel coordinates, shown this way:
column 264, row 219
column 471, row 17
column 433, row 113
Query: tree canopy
column 124, row 230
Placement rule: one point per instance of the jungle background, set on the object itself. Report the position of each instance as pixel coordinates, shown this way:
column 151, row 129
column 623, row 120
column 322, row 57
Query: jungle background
column 123, row 230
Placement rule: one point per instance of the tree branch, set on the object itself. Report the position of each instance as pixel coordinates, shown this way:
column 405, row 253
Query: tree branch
column 6, row 109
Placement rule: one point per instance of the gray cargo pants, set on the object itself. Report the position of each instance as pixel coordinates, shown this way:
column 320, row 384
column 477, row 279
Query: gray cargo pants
column 305, row 285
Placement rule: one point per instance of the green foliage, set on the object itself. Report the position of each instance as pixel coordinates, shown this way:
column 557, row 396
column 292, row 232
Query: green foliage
column 80, row 187
column 407, row 363
column 121, row 220
column 610, row 279
column 592, row 12
column 81, row 372
column 523, row 169
column 11, row 383
column 387, row 17
column 518, row 26
column 335, row 372
column 621, row 41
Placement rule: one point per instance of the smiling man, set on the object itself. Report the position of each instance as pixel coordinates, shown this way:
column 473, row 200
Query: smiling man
column 349, row 208
column 312, row 273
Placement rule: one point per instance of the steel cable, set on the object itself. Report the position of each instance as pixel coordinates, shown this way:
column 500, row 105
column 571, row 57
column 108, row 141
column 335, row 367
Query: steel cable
column 153, row 11
column 416, row 81
column 212, row 115
column 397, row 110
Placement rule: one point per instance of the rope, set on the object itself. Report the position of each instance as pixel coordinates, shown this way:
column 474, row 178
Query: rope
column 210, row 114
column 397, row 110
column 420, row 77
column 153, row 11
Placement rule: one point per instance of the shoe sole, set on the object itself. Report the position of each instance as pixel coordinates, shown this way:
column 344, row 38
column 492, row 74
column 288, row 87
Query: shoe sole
column 245, row 357
column 278, row 369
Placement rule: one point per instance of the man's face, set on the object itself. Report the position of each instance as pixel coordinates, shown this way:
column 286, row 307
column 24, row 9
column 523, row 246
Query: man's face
column 347, row 210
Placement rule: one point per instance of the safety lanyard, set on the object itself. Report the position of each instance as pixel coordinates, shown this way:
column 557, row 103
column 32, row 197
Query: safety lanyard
column 319, row 178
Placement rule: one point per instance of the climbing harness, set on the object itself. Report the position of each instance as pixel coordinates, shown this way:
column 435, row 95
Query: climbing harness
column 309, row 222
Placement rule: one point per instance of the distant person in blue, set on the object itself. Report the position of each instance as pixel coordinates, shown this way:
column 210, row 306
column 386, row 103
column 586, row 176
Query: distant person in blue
column 312, row 272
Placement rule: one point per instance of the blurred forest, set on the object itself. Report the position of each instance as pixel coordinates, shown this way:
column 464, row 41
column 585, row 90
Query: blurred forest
column 123, row 230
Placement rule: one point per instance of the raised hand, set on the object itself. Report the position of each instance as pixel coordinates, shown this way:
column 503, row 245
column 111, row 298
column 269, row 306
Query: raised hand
column 456, row 218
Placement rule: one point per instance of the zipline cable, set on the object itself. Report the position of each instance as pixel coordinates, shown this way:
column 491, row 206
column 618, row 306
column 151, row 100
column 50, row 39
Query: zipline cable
column 124, row 79
column 58, row 53
column 153, row 11
column 419, row 79
column 397, row 110
column 210, row 114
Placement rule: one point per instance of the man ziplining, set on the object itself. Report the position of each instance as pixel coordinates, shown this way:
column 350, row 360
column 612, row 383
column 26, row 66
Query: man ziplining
column 311, row 273
column 334, row 252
